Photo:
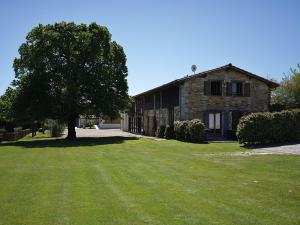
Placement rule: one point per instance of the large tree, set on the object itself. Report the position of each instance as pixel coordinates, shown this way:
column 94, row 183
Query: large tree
column 288, row 93
column 66, row 70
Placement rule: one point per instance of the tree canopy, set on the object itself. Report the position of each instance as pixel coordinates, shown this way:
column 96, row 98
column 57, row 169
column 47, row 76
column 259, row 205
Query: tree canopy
column 6, row 104
column 65, row 70
column 288, row 93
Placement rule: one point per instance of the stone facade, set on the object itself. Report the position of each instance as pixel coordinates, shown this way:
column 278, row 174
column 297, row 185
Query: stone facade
column 193, row 102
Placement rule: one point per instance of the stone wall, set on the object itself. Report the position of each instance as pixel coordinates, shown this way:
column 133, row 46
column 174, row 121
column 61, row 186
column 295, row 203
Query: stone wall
column 176, row 113
column 194, row 102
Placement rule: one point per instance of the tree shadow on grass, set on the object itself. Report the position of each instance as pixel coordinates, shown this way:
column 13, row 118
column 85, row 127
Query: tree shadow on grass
column 61, row 143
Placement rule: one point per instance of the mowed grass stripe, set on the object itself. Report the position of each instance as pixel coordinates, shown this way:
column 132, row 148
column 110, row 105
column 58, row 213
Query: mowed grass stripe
column 147, row 182
column 246, row 210
column 150, row 175
column 15, row 189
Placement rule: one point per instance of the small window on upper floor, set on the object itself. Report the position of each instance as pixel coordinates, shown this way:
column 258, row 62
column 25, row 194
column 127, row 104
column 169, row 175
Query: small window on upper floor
column 216, row 88
column 237, row 88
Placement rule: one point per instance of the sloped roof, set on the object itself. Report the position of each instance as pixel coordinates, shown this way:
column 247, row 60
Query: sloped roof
column 229, row 66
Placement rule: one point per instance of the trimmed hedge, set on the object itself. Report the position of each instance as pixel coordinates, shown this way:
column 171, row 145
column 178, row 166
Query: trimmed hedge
column 181, row 130
column 196, row 131
column 192, row 131
column 268, row 128
column 160, row 131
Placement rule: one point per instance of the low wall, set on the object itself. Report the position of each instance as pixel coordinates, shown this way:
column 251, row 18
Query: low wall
column 14, row 136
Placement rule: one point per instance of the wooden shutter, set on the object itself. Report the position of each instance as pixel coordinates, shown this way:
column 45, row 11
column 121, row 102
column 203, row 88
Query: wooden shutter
column 228, row 89
column 206, row 87
column 247, row 89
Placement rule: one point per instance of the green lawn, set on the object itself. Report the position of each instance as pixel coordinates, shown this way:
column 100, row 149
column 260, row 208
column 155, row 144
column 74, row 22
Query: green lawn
column 130, row 181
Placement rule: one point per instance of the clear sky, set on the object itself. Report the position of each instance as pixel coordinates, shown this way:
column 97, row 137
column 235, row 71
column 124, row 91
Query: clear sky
column 162, row 39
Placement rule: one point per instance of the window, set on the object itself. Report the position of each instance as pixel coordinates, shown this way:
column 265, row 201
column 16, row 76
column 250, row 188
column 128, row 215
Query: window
column 237, row 88
column 214, row 121
column 216, row 88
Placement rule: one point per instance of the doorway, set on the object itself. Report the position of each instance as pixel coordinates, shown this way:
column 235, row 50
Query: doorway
column 214, row 123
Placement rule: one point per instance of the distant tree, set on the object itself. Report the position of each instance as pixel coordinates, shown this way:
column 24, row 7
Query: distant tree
column 288, row 93
column 6, row 105
column 66, row 70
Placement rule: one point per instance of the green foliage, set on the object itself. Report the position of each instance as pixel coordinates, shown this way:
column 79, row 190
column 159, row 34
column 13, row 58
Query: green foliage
column 196, row 131
column 160, row 131
column 192, row 130
column 288, row 93
column 169, row 132
column 89, row 123
column 55, row 127
column 266, row 128
column 63, row 69
column 181, row 130
column 7, row 101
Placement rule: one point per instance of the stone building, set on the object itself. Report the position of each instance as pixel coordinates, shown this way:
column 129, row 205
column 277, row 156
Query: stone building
column 219, row 97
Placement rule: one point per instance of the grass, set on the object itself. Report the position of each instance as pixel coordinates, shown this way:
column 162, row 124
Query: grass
column 140, row 181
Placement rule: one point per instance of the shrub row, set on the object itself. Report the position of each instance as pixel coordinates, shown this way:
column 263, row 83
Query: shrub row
column 192, row 130
column 267, row 128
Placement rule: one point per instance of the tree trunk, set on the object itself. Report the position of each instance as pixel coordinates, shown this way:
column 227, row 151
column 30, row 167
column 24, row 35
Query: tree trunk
column 33, row 130
column 71, row 127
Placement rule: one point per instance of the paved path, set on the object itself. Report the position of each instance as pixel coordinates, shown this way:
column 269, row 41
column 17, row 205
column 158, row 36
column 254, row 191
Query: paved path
column 283, row 149
column 102, row 133
column 80, row 132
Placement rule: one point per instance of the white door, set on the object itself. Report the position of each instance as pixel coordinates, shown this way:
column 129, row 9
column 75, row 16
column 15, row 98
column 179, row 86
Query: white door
column 214, row 121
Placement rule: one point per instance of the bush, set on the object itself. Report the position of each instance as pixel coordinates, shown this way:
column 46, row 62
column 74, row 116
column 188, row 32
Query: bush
column 181, row 130
column 169, row 132
column 189, row 130
column 267, row 128
column 89, row 123
column 160, row 131
column 196, row 131
column 55, row 127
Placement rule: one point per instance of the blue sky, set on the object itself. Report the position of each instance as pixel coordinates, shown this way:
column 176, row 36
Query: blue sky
column 162, row 39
